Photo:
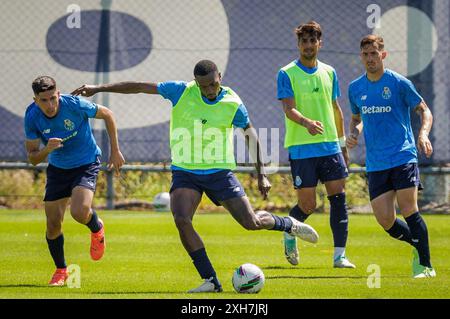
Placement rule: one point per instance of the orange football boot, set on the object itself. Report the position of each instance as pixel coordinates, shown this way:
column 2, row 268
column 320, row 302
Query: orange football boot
column 59, row 277
column 98, row 243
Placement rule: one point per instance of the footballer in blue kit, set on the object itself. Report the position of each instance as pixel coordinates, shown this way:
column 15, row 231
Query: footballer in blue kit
column 381, row 101
column 61, row 124
column 384, row 107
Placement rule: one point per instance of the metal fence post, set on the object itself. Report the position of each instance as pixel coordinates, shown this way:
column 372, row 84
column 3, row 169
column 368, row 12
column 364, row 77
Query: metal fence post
column 109, row 190
column 103, row 68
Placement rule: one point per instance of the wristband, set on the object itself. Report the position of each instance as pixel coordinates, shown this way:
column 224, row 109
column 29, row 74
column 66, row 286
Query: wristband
column 342, row 141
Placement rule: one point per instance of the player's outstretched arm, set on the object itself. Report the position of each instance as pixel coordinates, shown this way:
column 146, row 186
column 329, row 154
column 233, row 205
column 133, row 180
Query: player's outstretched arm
column 313, row 127
column 251, row 138
column 423, row 142
column 120, row 87
column 116, row 159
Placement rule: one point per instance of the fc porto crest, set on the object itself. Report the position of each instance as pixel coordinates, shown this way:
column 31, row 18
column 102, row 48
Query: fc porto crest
column 68, row 124
column 386, row 93
column 298, row 181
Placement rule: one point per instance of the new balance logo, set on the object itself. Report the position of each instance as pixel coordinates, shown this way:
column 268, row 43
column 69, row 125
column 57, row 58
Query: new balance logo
column 364, row 97
column 46, row 131
column 315, row 90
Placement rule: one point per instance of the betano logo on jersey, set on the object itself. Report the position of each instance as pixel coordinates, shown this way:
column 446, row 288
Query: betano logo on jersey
column 70, row 136
column 375, row 109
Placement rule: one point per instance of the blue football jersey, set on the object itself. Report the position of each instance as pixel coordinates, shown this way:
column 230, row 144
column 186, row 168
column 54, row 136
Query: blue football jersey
column 385, row 107
column 70, row 124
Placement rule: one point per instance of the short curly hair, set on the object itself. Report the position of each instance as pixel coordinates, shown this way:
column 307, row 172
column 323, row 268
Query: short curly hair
column 205, row 67
column 311, row 28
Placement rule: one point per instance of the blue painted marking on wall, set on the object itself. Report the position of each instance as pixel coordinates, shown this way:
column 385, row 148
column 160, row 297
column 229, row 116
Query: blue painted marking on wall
column 128, row 39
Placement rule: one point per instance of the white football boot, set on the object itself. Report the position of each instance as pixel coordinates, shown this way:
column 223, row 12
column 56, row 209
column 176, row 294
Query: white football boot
column 342, row 262
column 303, row 231
column 206, row 286
column 290, row 249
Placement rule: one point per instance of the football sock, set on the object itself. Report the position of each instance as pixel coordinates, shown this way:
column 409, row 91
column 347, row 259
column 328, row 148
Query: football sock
column 419, row 234
column 204, row 266
column 338, row 252
column 400, row 231
column 339, row 219
column 56, row 247
column 94, row 225
column 282, row 223
column 298, row 214
column 216, row 282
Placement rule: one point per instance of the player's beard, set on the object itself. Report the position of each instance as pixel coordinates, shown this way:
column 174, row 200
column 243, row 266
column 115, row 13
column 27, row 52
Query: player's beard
column 372, row 68
column 309, row 55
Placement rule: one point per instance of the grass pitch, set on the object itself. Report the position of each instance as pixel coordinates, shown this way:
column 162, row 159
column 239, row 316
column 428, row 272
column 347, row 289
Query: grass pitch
column 145, row 259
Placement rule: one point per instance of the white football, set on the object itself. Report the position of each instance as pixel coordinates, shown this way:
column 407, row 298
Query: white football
column 161, row 202
column 248, row 278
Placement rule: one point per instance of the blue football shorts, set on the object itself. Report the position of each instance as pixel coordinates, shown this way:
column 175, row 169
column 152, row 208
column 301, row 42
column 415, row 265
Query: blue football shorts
column 395, row 178
column 218, row 186
column 307, row 172
column 61, row 182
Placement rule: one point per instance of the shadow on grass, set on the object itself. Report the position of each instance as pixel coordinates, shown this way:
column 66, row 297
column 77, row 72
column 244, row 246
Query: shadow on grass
column 294, row 267
column 137, row 292
column 316, row 277
column 94, row 292
column 24, row 286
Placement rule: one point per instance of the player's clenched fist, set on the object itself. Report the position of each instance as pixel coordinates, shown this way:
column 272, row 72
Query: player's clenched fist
column 53, row 144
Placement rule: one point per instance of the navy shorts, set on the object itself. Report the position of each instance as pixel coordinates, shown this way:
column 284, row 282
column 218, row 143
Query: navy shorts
column 218, row 186
column 399, row 177
column 60, row 182
column 307, row 172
